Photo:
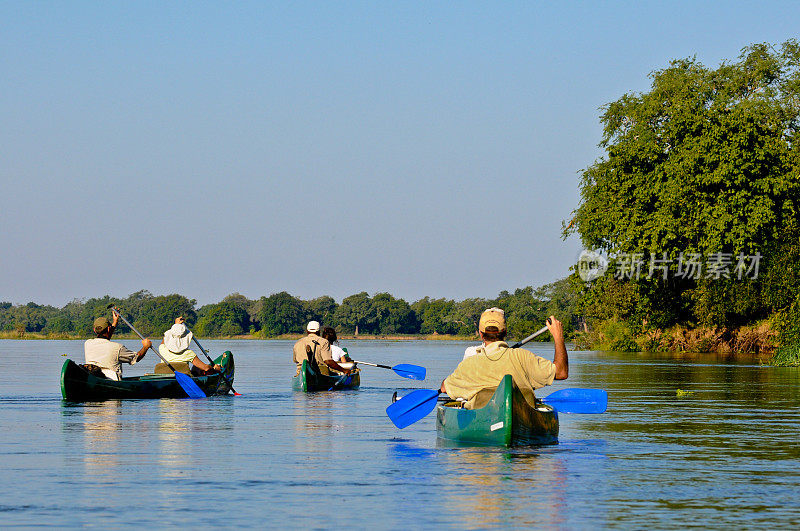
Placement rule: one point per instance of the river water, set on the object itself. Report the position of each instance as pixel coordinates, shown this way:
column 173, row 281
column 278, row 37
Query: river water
column 725, row 455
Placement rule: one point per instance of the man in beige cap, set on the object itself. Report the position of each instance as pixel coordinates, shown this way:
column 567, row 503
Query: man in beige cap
column 321, row 349
column 494, row 359
column 107, row 355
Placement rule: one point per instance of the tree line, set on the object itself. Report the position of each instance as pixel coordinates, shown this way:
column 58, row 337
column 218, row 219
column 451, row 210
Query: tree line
column 706, row 164
column 282, row 313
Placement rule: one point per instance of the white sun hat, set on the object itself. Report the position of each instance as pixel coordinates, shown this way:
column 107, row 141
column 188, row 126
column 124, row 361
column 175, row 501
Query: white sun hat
column 178, row 338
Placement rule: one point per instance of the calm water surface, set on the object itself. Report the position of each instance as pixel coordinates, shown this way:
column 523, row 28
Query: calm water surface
column 725, row 455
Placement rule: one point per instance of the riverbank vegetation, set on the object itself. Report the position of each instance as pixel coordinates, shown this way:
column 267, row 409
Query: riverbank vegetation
column 787, row 356
column 283, row 315
column 695, row 205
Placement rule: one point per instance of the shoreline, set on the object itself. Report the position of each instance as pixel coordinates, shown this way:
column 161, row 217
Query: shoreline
column 252, row 337
column 578, row 344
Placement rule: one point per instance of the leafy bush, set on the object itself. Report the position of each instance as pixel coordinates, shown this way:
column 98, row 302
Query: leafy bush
column 625, row 344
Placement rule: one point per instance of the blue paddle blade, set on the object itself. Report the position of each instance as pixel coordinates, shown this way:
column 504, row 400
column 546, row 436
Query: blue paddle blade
column 189, row 386
column 412, row 372
column 412, row 407
column 577, row 400
column 342, row 381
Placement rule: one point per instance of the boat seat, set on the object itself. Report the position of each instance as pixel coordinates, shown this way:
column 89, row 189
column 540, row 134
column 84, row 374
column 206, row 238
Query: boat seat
column 180, row 366
column 483, row 396
column 94, row 370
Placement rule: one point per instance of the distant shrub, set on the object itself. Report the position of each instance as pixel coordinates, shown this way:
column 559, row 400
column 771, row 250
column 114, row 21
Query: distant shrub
column 613, row 334
column 625, row 344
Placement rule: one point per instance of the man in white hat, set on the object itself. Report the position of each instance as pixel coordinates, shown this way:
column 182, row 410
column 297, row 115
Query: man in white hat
column 321, row 349
column 175, row 348
column 494, row 359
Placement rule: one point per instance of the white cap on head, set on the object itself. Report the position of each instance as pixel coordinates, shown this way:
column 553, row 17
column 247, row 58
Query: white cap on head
column 313, row 326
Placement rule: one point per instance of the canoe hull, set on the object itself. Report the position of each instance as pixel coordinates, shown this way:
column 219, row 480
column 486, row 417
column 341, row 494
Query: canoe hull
column 78, row 385
column 506, row 420
column 309, row 380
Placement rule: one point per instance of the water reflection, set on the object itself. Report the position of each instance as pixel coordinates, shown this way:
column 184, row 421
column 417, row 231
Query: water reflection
column 317, row 419
column 723, row 456
column 484, row 486
column 100, row 424
column 173, row 423
column 167, row 433
column 495, row 486
column 313, row 421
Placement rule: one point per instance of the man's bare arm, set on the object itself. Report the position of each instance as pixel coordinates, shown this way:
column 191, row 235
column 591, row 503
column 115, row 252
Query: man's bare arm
column 560, row 359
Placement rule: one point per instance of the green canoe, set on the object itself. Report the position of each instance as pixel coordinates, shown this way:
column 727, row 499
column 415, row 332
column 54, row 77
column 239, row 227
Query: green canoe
column 310, row 380
column 78, row 385
column 506, row 420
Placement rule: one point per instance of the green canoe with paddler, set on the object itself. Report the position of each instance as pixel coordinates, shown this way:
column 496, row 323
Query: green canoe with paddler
column 82, row 384
column 180, row 375
column 317, row 360
column 504, row 417
column 491, row 398
column 309, row 379
column 323, row 366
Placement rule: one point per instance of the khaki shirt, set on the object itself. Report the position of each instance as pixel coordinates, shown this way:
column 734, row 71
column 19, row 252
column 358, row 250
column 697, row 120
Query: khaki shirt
column 491, row 363
column 108, row 355
column 322, row 353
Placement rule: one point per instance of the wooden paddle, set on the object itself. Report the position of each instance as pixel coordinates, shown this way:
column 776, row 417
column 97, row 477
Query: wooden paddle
column 185, row 381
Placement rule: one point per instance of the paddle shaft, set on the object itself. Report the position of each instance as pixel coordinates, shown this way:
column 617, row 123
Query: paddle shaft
column 372, row 364
column 537, row 333
column 142, row 338
column 222, row 373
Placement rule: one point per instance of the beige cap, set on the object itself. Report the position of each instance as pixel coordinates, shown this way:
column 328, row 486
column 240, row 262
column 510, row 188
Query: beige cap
column 313, row 326
column 100, row 324
column 492, row 317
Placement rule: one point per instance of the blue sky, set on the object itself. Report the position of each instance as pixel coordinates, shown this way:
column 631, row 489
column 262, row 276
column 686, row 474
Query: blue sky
column 428, row 148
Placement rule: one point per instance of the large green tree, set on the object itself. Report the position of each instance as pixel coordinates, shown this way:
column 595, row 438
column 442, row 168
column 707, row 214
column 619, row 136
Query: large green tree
column 321, row 309
column 707, row 161
column 393, row 316
column 155, row 315
column 227, row 318
column 355, row 314
column 281, row 313
column 437, row 316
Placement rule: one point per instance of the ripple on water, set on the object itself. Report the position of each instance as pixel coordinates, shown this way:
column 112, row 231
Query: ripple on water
column 726, row 454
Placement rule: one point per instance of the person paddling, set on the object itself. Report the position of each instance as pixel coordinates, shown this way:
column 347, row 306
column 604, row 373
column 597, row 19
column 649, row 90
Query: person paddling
column 338, row 354
column 107, row 355
column 494, row 359
column 320, row 348
column 175, row 349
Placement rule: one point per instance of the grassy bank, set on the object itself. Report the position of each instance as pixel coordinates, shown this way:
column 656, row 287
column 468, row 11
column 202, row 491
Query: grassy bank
column 34, row 335
column 754, row 341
